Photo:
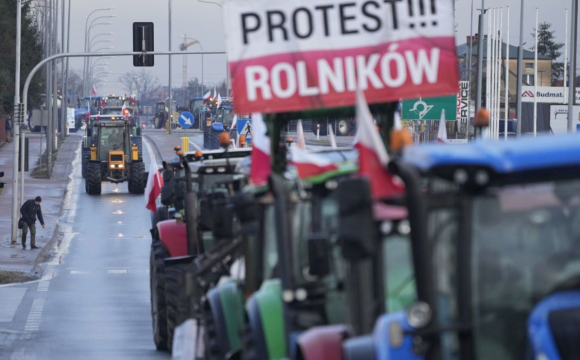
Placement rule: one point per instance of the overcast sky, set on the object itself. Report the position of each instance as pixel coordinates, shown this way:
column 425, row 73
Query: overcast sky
column 203, row 22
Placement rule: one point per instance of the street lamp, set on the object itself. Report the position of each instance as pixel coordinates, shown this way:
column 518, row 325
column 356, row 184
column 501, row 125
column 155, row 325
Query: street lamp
column 183, row 48
column 86, row 48
column 100, row 34
column 86, row 36
column 100, row 41
column 227, row 72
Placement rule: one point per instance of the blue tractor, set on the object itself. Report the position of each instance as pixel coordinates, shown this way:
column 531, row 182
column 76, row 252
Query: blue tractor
column 495, row 248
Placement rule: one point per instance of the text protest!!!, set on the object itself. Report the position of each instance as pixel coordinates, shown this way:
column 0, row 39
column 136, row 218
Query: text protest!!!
column 310, row 53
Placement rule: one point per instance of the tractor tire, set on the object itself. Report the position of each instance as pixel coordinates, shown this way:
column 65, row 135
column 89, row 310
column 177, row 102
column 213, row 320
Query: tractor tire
column 213, row 350
column 93, row 178
column 84, row 162
column 175, row 299
column 157, row 284
column 342, row 127
column 137, row 178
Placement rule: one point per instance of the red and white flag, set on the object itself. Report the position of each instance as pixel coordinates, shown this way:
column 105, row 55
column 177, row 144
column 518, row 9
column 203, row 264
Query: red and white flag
column 207, row 95
column 219, row 100
column 442, row 132
column 331, row 137
column 214, row 93
column 94, row 90
column 310, row 164
column 154, row 185
column 300, row 139
column 373, row 157
column 260, row 169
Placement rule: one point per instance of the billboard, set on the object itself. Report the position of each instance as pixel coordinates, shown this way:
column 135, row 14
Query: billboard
column 547, row 94
column 307, row 54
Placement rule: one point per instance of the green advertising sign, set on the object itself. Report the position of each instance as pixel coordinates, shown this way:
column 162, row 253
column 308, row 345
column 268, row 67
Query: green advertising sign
column 430, row 108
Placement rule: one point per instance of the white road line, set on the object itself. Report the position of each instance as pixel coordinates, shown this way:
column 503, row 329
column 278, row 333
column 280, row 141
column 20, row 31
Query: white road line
column 43, row 285
column 35, row 316
column 118, row 271
column 79, row 272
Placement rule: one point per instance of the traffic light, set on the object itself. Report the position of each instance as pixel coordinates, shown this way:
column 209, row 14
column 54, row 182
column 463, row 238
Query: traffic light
column 1, row 183
column 143, row 41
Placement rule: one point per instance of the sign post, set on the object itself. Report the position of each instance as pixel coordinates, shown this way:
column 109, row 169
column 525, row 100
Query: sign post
column 307, row 54
column 186, row 120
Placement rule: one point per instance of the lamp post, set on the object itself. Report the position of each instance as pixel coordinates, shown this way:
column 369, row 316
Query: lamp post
column 89, row 72
column 88, row 36
column 227, row 70
column 16, row 126
column 86, row 33
column 170, row 108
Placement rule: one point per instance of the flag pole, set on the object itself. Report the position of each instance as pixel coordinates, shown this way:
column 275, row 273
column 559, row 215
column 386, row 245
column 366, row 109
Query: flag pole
column 536, row 78
column 507, row 77
column 566, row 58
column 488, row 66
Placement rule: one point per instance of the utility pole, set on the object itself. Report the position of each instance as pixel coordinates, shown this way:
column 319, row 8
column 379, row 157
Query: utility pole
column 55, row 119
column 572, row 74
column 67, row 50
column 63, row 113
column 170, row 108
column 520, row 73
column 480, row 57
column 16, row 123
column 48, row 97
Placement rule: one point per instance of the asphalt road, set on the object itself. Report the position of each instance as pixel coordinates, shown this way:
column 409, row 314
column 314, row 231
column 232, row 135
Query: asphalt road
column 93, row 302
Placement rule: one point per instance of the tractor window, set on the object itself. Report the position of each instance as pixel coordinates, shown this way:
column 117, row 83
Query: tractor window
column 160, row 108
column 525, row 245
column 112, row 111
column 270, row 254
column 114, row 101
column 112, row 138
column 197, row 105
column 442, row 230
column 400, row 277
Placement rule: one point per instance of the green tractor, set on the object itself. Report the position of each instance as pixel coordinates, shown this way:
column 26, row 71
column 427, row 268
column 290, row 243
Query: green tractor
column 115, row 156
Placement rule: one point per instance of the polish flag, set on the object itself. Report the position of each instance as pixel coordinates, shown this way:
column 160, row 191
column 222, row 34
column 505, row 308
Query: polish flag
column 219, row 100
column 94, row 90
column 207, row 95
column 373, row 157
column 260, row 169
column 214, row 93
column 442, row 132
column 300, row 139
column 154, row 185
column 309, row 164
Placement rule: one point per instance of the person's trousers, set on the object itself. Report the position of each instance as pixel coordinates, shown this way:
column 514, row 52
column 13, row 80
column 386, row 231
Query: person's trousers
column 32, row 228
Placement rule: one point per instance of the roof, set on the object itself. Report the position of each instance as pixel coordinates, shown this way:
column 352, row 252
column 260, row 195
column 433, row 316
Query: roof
column 221, row 164
column 463, row 49
column 504, row 157
column 220, row 153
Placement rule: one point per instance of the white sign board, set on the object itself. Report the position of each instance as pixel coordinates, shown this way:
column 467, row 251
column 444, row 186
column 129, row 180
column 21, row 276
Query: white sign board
column 70, row 117
column 559, row 118
column 546, row 94
column 307, row 54
column 463, row 104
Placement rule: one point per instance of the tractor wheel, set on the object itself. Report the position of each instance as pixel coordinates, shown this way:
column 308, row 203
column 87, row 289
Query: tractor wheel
column 136, row 181
column 175, row 299
column 342, row 127
column 157, row 283
column 84, row 161
column 213, row 350
column 93, row 178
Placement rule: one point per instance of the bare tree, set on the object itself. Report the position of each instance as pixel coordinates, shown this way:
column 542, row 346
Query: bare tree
column 141, row 83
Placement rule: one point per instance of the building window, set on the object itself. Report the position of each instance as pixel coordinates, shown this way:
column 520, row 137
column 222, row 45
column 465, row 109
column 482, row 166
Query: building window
column 528, row 80
column 529, row 66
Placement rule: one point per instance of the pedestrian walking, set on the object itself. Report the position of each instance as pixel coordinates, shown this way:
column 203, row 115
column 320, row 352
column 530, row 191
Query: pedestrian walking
column 8, row 129
column 30, row 210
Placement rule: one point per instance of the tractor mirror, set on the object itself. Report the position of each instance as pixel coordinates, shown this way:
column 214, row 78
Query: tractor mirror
column 318, row 255
column 357, row 230
column 138, row 131
column 89, row 132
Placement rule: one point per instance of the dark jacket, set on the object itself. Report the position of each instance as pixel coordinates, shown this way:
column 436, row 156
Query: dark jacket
column 30, row 211
column 8, row 123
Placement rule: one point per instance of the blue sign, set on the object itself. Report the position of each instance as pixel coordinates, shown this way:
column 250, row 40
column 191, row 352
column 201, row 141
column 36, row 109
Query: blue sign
column 244, row 127
column 186, row 120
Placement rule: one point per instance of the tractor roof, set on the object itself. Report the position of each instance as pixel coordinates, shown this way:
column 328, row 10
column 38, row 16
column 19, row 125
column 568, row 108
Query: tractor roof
column 527, row 154
column 216, row 166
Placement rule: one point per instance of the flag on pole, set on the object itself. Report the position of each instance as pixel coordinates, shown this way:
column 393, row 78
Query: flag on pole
column 207, row 95
column 331, row 137
column 310, row 164
column 373, row 157
column 154, row 185
column 94, row 90
column 214, row 93
column 300, row 140
column 398, row 123
column 260, row 169
column 442, row 131
column 219, row 100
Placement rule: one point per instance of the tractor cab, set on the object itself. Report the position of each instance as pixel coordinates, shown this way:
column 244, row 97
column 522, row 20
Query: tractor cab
column 494, row 245
column 160, row 115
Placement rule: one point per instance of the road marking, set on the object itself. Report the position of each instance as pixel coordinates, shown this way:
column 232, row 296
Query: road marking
column 79, row 272
column 197, row 147
column 43, row 285
column 118, row 271
column 35, row 315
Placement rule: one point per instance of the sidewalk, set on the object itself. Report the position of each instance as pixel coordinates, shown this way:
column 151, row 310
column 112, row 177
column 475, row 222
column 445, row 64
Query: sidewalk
column 12, row 257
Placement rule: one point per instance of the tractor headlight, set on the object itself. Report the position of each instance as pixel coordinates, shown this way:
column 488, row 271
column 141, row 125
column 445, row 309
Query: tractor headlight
column 419, row 315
